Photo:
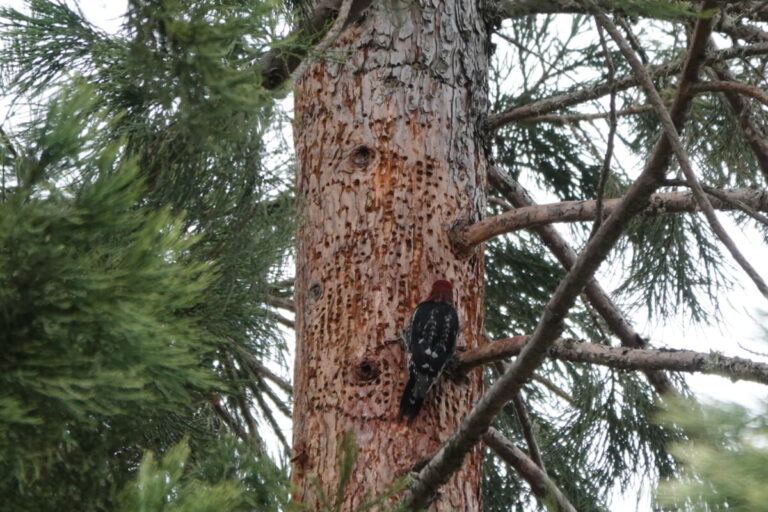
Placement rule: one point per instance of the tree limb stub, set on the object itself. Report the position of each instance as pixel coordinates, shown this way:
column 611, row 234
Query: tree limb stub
column 278, row 64
column 450, row 456
column 622, row 358
column 541, row 485
column 584, row 211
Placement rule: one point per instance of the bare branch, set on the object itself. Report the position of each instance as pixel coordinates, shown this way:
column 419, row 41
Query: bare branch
column 528, row 217
column 518, row 8
column 541, row 485
column 612, row 124
column 622, row 358
column 735, row 28
column 451, row 455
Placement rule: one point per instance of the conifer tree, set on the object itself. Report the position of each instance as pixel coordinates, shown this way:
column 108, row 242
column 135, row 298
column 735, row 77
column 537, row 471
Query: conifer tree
column 149, row 209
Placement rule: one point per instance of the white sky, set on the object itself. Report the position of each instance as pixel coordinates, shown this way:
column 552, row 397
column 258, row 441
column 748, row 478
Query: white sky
column 742, row 307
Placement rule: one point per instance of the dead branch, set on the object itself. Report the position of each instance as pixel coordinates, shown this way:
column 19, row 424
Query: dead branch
column 541, row 485
column 735, row 368
column 451, row 454
column 527, row 217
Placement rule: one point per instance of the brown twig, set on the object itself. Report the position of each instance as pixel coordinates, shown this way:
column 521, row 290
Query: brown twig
column 612, row 123
column 554, row 388
column 743, row 113
column 541, row 485
column 576, row 118
column 526, row 426
column 735, row 87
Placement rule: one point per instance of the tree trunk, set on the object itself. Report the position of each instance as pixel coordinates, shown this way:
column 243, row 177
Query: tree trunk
column 390, row 157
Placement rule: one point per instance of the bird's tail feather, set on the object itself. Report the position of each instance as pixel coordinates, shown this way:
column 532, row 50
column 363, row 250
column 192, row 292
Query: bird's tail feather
column 413, row 397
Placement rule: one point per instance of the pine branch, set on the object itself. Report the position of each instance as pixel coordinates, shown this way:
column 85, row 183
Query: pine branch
column 451, row 454
column 8, row 143
column 595, row 91
column 733, row 27
column 230, row 421
column 267, row 411
column 554, row 388
column 576, row 118
column 671, row 135
column 733, row 87
column 519, row 8
column 560, row 248
column 526, row 425
column 527, row 217
column 279, row 403
column 612, row 124
column 262, row 370
column 541, row 485
column 742, row 111
column 714, row 363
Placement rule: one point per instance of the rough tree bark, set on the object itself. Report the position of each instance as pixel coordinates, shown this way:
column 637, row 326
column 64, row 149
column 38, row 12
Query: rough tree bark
column 390, row 157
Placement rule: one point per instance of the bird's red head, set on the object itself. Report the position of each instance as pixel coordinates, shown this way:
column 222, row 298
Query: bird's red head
column 442, row 291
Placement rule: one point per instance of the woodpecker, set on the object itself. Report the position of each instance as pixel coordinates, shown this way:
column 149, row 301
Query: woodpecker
column 430, row 341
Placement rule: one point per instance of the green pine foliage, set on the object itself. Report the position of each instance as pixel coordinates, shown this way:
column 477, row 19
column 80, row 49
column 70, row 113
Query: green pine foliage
column 210, row 483
column 98, row 336
column 725, row 458
column 146, row 216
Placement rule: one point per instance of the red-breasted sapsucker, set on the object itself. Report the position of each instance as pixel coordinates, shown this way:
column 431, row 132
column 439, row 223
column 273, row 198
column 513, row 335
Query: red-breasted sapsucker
column 430, row 341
